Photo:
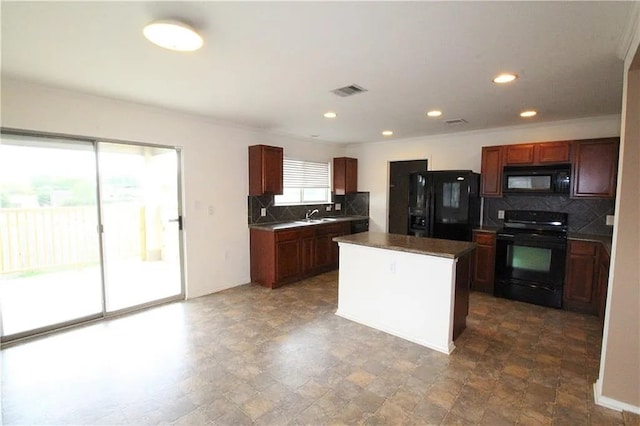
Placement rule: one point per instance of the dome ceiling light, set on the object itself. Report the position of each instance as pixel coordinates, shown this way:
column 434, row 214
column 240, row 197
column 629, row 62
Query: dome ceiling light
column 173, row 35
column 528, row 113
column 434, row 113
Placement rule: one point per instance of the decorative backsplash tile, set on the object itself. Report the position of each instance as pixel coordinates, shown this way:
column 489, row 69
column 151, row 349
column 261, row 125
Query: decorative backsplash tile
column 357, row 204
column 351, row 205
column 585, row 216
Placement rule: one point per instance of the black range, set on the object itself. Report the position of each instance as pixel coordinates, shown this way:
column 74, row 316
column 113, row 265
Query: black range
column 530, row 257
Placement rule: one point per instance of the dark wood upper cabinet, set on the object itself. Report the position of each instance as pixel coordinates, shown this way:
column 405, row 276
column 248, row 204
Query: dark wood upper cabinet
column 552, row 152
column 595, row 168
column 536, row 154
column 265, row 169
column 345, row 175
column 519, row 154
column 594, row 164
column 491, row 171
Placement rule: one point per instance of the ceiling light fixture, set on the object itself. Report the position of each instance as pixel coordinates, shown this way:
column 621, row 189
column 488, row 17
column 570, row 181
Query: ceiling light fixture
column 505, row 78
column 434, row 113
column 173, row 35
column 527, row 114
column 330, row 114
column 387, row 133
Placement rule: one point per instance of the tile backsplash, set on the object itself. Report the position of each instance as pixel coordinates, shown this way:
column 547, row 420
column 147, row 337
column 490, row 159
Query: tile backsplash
column 356, row 204
column 586, row 216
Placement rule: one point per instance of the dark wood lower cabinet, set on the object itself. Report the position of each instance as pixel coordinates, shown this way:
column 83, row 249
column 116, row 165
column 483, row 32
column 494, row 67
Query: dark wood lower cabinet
column 461, row 302
column 587, row 273
column 484, row 261
column 602, row 282
column 284, row 256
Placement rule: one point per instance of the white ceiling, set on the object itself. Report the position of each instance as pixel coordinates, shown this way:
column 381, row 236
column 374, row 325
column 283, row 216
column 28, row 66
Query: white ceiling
column 272, row 65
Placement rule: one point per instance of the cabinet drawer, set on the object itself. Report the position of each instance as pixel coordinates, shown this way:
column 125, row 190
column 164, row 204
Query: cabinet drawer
column 334, row 228
column 306, row 232
column 287, row 235
column 485, row 238
column 582, row 247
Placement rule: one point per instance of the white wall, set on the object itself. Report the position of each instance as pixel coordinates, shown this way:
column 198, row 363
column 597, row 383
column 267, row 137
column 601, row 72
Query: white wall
column 458, row 151
column 214, row 159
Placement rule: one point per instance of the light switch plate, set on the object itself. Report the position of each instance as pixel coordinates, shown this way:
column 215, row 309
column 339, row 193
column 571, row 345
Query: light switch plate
column 329, row 208
column 610, row 219
column 338, row 206
column 500, row 214
column 263, row 211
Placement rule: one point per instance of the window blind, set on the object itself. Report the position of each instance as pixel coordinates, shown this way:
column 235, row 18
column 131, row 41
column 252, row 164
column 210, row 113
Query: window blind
column 305, row 174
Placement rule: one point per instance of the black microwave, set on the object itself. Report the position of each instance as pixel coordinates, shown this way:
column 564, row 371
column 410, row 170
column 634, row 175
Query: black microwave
column 537, row 179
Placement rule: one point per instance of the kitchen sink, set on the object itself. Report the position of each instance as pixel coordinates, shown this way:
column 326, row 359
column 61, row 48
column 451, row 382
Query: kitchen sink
column 313, row 221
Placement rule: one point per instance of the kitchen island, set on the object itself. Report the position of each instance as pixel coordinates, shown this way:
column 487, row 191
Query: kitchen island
column 411, row 287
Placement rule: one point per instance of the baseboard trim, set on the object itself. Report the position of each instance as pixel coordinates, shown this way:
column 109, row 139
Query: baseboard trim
column 611, row 403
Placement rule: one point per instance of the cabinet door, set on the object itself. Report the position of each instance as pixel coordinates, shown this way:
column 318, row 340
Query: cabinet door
column 307, row 254
column 287, row 260
column 484, row 262
column 519, row 154
column 345, row 175
column 553, row 152
column 322, row 249
column 265, row 170
column 491, row 171
column 580, row 276
column 595, row 167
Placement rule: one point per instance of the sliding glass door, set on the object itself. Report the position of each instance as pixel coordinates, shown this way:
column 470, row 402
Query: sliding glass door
column 140, row 211
column 86, row 229
column 49, row 243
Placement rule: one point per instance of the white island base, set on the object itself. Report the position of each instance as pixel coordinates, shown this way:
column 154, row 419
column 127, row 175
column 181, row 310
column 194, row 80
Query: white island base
column 409, row 295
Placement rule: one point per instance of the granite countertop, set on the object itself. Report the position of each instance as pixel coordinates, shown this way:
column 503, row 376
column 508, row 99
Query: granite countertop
column 301, row 222
column 419, row 245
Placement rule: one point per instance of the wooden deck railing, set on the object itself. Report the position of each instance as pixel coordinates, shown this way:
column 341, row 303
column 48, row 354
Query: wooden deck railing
column 33, row 239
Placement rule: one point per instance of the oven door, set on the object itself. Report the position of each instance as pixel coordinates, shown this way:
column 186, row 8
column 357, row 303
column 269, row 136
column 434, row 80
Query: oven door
column 530, row 268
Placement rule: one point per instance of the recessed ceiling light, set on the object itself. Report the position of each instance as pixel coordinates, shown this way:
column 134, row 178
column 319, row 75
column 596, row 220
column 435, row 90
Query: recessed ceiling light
column 173, row 35
column 387, row 133
column 434, row 113
column 528, row 113
column 330, row 114
column 505, row 78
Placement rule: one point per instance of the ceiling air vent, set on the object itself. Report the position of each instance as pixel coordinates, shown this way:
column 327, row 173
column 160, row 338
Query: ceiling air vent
column 354, row 89
column 456, row 121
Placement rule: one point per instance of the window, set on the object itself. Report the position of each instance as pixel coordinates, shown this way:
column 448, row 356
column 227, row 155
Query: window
column 305, row 182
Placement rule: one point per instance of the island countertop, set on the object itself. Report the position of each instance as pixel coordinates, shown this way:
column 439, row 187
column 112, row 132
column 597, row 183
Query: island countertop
column 407, row 243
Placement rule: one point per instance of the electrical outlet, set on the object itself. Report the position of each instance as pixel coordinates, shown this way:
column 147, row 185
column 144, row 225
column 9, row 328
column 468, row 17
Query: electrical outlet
column 338, row 206
column 329, row 208
column 263, row 211
column 610, row 219
column 500, row 214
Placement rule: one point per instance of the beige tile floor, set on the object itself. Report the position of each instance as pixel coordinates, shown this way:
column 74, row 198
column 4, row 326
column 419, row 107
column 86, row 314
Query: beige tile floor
column 254, row 356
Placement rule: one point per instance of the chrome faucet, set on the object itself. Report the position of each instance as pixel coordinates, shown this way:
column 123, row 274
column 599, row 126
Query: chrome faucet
column 310, row 213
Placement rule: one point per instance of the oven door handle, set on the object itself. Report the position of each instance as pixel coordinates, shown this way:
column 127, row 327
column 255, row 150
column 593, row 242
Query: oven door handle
column 504, row 236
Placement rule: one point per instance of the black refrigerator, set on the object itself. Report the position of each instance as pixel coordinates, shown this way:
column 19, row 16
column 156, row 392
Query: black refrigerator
column 444, row 204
